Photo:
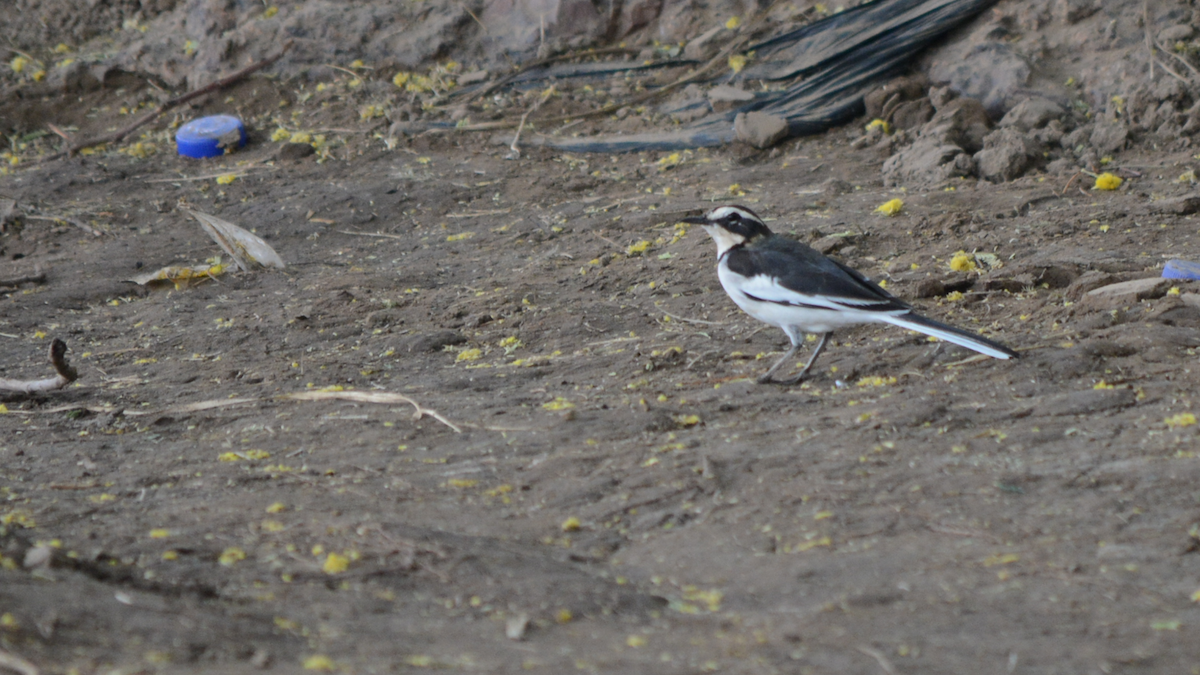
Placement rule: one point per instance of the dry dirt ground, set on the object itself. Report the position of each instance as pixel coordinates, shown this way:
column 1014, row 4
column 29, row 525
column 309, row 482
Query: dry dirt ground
column 597, row 473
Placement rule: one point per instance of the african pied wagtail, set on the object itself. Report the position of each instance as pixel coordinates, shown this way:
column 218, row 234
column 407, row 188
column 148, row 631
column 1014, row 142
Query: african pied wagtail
column 787, row 284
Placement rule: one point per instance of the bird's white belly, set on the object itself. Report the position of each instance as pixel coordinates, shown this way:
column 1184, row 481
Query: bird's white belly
column 791, row 317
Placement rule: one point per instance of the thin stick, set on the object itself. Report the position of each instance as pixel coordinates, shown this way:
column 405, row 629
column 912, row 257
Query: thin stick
column 373, row 397
column 169, row 104
column 375, row 234
column 516, row 152
column 16, row 663
column 684, row 318
column 1146, row 30
column 1180, row 59
column 66, row 375
column 879, row 658
column 70, row 221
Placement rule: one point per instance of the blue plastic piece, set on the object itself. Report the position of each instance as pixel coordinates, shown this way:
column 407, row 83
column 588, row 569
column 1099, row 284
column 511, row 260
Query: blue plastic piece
column 1181, row 269
column 202, row 137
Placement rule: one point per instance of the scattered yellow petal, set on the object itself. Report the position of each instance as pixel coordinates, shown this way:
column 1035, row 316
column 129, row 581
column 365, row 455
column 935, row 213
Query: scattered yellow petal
column 281, row 134
column 335, row 564
column 822, row 515
column 670, row 161
column 571, row 524
column 733, row 22
column 159, row 533
column 638, row 248
column 231, row 556
column 468, row 355
column 319, row 662
column 1181, row 420
column 18, row 64
column 226, row 179
column 880, row 124
column 737, row 62
column 563, row 616
column 635, row 641
column 1108, row 181
column 301, row 137
column 963, row 262
column 460, row 236
column 1102, row 385
column 170, row 555
column 277, row 507
column 270, row 12
column 1000, row 559
column 559, row 403
column 687, row 420
column 8, row 621
column 1174, row 290
column 890, row 207
column 462, row 482
column 954, row 296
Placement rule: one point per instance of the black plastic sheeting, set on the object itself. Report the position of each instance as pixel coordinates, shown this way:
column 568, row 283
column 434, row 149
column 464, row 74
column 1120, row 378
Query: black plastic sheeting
column 839, row 58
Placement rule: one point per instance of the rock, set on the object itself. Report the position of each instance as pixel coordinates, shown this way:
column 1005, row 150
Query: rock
column 724, row 97
column 517, row 25
column 1109, row 137
column 473, row 77
column 1087, row 402
column 1126, row 292
column 1184, row 206
column 940, row 150
column 989, row 71
column 294, row 151
column 962, row 121
column 1074, row 11
column 926, row 161
column 905, row 88
column 1089, row 281
column 1032, row 113
column 1172, row 34
column 636, row 14
column 760, row 130
column 833, row 242
column 77, row 77
column 702, row 47
column 433, row 341
column 1006, row 154
column 930, row 288
column 1174, row 312
column 912, row 114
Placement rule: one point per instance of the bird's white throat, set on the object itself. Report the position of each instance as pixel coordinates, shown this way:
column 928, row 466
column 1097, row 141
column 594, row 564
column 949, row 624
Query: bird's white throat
column 724, row 238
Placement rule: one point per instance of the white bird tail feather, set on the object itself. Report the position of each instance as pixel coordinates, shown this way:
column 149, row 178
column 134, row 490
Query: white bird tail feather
column 958, row 336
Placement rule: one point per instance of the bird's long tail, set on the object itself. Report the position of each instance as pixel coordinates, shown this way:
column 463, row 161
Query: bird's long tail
column 958, row 336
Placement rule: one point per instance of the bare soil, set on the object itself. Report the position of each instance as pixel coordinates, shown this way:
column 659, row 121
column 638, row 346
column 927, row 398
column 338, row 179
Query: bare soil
column 605, row 480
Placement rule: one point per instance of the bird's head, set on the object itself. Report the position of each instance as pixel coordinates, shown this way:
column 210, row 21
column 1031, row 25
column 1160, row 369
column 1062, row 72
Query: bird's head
column 731, row 226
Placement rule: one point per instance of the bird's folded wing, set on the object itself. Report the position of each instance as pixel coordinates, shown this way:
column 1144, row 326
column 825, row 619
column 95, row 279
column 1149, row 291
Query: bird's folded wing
column 770, row 289
column 773, row 276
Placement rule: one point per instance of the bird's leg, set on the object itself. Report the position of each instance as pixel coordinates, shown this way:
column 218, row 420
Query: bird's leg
column 811, row 360
column 766, row 377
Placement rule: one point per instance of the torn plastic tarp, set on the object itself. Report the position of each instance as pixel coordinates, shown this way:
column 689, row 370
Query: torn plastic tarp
column 840, row 59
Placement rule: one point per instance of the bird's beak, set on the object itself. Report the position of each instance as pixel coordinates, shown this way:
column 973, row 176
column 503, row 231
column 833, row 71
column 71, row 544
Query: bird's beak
column 695, row 220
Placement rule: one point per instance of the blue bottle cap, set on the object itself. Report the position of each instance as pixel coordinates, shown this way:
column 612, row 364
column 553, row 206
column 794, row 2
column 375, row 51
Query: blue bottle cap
column 1181, row 269
column 202, row 137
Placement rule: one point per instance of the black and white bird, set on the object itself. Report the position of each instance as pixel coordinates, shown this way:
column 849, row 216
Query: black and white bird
column 784, row 283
